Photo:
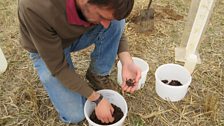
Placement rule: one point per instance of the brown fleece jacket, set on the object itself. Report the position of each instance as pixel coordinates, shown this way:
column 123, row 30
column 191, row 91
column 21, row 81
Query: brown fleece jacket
column 44, row 29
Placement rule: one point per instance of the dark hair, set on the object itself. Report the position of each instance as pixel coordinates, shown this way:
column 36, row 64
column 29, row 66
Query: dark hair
column 121, row 8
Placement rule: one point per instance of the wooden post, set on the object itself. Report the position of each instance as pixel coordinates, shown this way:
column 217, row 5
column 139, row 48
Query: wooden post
column 3, row 62
column 201, row 19
column 189, row 22
column 193, row 36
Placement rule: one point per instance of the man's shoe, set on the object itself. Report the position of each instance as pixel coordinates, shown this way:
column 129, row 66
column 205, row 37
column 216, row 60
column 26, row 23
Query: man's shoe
column 100, row 82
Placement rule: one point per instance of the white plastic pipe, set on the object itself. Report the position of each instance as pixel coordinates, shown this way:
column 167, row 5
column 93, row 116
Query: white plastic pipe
column 3, row 62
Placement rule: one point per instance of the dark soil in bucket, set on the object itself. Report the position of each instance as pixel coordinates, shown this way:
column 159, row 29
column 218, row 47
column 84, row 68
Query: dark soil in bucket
column 172, row 82
column 118, row 114
column 130, row 83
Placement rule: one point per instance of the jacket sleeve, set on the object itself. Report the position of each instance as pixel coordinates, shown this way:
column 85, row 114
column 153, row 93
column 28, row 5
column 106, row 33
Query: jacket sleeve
column 123, row 46
column 49, row 46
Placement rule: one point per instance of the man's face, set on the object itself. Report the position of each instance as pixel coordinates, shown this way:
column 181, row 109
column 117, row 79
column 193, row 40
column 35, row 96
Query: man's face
column 97, row 15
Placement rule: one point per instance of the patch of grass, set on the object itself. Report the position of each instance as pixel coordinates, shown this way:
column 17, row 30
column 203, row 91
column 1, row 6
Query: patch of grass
column 136, row 121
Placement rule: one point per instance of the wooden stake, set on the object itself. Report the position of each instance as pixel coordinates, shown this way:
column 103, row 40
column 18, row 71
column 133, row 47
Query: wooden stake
column 202, row 16
column 194, row 29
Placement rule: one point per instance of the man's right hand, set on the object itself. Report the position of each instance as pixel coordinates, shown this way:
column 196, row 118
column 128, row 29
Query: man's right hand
column 104, row 111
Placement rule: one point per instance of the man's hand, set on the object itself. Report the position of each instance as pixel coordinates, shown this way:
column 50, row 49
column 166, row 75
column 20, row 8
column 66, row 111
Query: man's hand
column 133, row 72
column 104, row 111
column 129, row 71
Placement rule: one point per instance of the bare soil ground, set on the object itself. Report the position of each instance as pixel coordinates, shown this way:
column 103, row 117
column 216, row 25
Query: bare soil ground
column 25, row 102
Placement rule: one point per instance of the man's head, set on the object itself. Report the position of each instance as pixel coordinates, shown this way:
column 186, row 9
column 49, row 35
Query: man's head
column 103, row 11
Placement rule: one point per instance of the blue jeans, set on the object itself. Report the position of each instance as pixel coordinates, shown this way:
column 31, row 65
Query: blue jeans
column 69, row 104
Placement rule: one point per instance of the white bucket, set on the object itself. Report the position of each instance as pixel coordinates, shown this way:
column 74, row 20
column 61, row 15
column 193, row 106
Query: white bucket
column 172, row 72
column 140, row 63
column 3, row 62
column 114, row 98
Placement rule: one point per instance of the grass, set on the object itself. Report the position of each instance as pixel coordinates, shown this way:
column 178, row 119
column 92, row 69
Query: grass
column 25, row 102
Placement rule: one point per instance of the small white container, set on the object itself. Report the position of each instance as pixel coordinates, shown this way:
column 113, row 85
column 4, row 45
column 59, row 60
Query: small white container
column 140, row 63
column 3, row 62
column 114, row 98
column 172, row 72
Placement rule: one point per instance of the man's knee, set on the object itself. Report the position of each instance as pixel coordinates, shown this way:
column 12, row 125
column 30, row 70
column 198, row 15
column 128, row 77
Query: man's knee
column 118, row 25
column 73, row 117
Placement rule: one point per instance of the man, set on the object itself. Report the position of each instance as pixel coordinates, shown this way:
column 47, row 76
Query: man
column 51, row 29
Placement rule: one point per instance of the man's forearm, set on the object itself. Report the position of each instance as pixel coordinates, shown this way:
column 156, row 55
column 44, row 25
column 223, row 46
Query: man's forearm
column 125, row 58
column 93, row 96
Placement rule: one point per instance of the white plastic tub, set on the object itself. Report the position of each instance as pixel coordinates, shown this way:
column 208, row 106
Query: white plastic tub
column 172, row 72
column 114, row 98
column 3, row 62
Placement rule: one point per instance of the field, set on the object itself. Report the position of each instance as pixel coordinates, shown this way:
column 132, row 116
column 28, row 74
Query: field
column 24, row 102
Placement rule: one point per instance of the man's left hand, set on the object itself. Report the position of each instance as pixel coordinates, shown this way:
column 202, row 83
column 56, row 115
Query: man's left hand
column 130, row 72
